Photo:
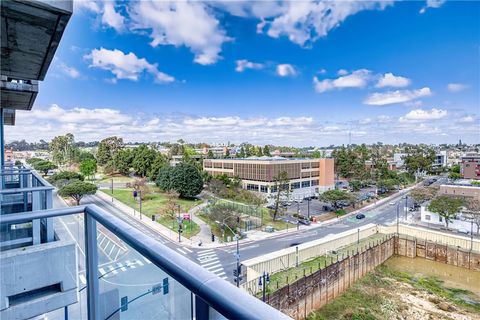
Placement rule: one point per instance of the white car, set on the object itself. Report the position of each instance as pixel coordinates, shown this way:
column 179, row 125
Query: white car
column 464, row 231
column 392, row 203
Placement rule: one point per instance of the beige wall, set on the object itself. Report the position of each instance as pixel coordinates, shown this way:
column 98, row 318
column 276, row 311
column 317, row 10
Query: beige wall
column 327, row 175
column 463, row 191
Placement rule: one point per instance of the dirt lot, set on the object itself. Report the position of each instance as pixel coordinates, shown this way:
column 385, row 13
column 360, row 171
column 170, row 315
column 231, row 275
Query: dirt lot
column 387, row 293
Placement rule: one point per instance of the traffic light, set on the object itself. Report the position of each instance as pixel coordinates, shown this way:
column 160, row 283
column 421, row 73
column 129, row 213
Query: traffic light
column 235, row 272
column 213, row 237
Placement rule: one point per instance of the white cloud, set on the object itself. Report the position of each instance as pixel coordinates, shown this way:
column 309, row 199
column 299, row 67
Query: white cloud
column 181, row 23
column 356, row 79
column 456, row 87
column 322, row 71
column 423, row 115
column 398, row 96
column 125, row 66
column 432, row 4
column 390, row 80
column 69, row 71
column 111, row 17
column 342, row 72
column 286, row 70
column 243, row 64
column 303, row 22
column 90, row 124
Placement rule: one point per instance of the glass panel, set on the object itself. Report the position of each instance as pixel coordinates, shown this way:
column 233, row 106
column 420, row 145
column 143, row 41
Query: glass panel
column 132, row 287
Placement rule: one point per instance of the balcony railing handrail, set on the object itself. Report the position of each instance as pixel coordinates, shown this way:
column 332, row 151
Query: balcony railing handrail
column 23, row 190
column 227, row 299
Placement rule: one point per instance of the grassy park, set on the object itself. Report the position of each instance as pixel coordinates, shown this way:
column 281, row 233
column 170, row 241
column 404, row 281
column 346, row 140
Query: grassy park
column 154, row 203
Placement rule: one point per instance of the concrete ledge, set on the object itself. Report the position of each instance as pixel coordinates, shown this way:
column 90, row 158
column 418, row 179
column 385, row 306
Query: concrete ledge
column 35, row 267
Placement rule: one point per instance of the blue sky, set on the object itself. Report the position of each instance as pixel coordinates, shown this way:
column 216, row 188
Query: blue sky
column 291, row 73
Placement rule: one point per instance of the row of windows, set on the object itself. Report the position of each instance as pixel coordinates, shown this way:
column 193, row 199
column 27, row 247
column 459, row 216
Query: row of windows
column 273, row 189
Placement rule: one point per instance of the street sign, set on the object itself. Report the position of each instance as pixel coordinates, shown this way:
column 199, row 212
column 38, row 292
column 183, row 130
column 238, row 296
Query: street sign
column 165, row 286
column 124, row 304
column 179, row 220
column 186, row 216
column 135, row 193
column 156, row 289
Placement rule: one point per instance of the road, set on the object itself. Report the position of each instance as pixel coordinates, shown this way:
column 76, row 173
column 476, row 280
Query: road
column 125, row 273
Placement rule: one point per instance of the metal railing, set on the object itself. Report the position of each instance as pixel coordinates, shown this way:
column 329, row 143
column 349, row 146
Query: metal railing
column 209, row 291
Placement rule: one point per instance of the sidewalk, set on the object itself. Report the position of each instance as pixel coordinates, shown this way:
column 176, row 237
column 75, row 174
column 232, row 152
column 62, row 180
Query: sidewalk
column 159, row 228
column 254, row 235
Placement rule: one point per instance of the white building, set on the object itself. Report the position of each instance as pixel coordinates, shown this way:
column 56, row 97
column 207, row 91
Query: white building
column 458, row 223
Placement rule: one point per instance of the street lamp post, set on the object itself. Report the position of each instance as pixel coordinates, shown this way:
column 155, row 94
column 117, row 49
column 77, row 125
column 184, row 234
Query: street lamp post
column 406, row 207
column 111, row 188
column 179, row 222
column 140, row 202
column 308, row 208
column 237, row 255
column 263, row 281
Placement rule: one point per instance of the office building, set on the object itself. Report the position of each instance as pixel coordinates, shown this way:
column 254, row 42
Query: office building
column 307, row 177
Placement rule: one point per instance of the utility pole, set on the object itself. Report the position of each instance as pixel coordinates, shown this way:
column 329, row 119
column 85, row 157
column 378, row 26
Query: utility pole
column 308, row 209
column 398, row 209
column 406, row 207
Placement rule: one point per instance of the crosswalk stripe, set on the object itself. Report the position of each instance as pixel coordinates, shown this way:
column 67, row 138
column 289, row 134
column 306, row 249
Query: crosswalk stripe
column 147, row 261
column 205, row 261
column 112, row 270
column 220, row 274
column 225, row 278
column 181, row 251
column 188, row 250
column 102, row 271
column 82, row 279
column 121, row 266
column 209, row 263
column 205, row 254
column 203, row 251
column 213, row 266
column 216, row 270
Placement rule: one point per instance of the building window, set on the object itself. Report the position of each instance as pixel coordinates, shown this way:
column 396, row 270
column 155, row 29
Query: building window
column 305, row 184
column 440, row 219
column 252, row 187
column 273, row 189
column 296, row 185
column 314, row 182
column 427, row 217
column 263, row 189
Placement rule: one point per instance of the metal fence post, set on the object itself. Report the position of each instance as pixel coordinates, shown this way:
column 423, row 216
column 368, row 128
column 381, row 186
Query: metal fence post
column 93, row 298
column 201, row 309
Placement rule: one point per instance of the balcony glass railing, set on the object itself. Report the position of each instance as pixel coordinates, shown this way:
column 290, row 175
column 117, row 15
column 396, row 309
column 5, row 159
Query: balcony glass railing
column 23, row 190
column 125, row 274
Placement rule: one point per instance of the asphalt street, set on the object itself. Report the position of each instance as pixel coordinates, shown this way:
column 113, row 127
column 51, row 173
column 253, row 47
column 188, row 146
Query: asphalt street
column 125, row 273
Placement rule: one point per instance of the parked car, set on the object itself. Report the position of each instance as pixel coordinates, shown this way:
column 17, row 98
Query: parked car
column 464, row 231
column 392, row 203
column 360, row 216
column 304, row 222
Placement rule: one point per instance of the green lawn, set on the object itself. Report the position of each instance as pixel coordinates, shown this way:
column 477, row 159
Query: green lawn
column 153, row 203
column 281, row 278
column 116, row 179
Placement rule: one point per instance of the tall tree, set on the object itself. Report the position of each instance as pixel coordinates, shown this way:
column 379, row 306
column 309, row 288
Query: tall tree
column 63, row 149
column 472, row 213
column 143, row 159
column 210, row 154
column 107, row 148
column 282, row 189
column 447, row 207
column 88, row 167
column 266, row 151
column 419, row 158
column 184, row 178
column 159, row 162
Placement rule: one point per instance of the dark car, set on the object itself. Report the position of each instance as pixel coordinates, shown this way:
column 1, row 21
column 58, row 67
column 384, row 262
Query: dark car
column 360, row 216
column 304, row 222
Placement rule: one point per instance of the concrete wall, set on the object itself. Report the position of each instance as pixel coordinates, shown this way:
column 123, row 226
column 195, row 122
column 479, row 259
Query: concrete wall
column 433, row 218
column 290, row 257
column 461, row 242
column 30, row 268
column 327, row 174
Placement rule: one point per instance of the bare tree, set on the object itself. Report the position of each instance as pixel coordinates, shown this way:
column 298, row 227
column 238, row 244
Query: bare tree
column 472, row 213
